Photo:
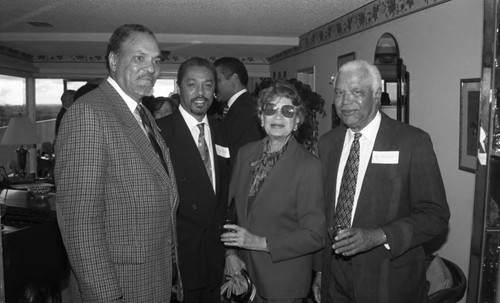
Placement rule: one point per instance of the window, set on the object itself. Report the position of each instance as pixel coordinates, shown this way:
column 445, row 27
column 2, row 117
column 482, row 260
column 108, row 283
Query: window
column 12, row 97
column 164, row 87
column 74, row 85
column 48, row 98
column 48, row 94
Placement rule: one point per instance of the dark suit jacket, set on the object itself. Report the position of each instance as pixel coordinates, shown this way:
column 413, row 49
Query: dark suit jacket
column 201, row 212
column 288, row 211
column 61, row 113
column 241, row 124
column 115, row 203
column 407, row 200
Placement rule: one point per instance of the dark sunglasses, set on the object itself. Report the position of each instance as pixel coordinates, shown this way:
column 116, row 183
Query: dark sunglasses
column 288, row 111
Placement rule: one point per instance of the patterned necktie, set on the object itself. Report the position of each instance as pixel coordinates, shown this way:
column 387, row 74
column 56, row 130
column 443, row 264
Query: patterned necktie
column 151, row 135
column 345, row 201
column 203, row 149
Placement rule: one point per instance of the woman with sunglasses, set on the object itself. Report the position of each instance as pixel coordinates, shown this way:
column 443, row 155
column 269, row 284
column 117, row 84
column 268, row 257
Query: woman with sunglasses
column 277, row 190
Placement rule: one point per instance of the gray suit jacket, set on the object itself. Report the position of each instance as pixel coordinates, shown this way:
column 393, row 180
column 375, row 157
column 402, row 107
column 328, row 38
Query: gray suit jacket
column 116, row 203
column 288, row 211
column 406, row 199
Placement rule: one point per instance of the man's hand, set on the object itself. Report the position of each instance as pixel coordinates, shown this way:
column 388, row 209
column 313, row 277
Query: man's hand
column 316, row 287
column 356, row 240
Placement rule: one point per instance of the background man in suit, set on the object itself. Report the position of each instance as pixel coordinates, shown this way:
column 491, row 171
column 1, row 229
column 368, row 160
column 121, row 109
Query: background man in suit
column 398, row 200
column 202, row 180
column 240, row 122
column 67, row 99
column 116, row 192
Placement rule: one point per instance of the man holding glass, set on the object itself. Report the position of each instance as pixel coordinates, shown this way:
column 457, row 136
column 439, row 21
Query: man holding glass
column 385, row 200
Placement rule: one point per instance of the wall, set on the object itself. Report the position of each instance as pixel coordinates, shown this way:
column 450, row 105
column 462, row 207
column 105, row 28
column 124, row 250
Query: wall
column 439, row 45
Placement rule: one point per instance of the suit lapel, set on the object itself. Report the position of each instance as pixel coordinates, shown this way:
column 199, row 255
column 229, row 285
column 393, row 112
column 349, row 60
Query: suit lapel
column 183, row 136
column 383, row 142
column 254, row 155
column 216, row 168
column 281, row 168
column 137, row 135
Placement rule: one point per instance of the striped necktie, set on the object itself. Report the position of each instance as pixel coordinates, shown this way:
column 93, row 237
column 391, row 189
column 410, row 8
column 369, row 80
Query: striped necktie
column 151, row 134
column 203, row 149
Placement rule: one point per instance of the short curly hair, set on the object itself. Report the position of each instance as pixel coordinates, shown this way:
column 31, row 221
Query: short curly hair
column 281, row 89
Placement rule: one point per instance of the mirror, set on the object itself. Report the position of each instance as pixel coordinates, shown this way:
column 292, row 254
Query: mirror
column 395, row 79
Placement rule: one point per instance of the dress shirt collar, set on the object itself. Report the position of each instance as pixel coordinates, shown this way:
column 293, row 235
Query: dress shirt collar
column 190, row 120
column 235, row 96
column 369, row 132
column 131, row 103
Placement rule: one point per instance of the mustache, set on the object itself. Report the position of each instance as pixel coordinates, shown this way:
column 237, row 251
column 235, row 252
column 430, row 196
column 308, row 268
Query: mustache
column 148, row 76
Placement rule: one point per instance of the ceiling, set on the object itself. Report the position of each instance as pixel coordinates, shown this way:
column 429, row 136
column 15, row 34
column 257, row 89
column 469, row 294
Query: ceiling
column 205, row 28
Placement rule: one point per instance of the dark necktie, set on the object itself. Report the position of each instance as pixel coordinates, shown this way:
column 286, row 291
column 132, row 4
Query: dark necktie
column 151, row 135
column 345, row 200
column 203, row 149
column 224, row 111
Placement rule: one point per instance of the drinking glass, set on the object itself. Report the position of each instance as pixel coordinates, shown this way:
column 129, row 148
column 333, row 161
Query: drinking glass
column 333, row 231
column 230, row 217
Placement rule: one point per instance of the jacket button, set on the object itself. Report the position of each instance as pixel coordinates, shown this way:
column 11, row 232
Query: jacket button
column 195, row 206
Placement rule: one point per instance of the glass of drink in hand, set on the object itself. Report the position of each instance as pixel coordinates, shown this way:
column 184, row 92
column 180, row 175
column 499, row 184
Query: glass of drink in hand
column 230, row 217
column 333, row 231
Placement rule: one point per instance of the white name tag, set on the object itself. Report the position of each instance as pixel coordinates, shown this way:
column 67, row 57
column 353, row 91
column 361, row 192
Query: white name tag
column 222, row 151
column 386, row 157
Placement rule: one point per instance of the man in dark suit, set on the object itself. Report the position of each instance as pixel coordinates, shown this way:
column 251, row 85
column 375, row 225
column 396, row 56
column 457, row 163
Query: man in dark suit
column 202, row 180
column 240, row 121
column 67, row 99
column 397, row 198
column 116, row 191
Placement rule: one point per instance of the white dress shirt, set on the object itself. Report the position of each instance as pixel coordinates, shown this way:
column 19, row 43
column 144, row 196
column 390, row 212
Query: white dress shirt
column 235, row 96
column 366, row 142
column 131, row 103
column 192, row 124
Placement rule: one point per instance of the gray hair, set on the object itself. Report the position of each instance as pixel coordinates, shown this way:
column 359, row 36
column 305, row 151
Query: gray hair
column 371, row 70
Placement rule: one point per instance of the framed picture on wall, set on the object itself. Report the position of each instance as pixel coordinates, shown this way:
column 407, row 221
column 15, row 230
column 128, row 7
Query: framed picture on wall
column 345, row 58
column 469, row 116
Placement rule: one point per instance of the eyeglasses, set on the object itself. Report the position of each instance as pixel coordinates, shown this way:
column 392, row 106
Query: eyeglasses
column 288, row 111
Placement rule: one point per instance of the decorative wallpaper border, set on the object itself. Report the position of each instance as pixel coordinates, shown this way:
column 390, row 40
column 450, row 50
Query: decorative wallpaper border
column 4, row 50
column 102, row 59
column 365, row 17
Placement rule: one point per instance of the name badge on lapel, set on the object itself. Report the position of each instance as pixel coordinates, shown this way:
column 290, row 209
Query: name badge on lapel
column 385, row 157
column 222, row 151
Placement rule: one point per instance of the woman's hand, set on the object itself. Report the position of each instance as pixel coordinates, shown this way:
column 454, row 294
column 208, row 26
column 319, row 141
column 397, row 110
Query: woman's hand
column 240, row 237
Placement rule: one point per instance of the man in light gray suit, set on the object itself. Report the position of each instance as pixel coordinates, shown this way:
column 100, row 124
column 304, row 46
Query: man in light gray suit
column 116, row 191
